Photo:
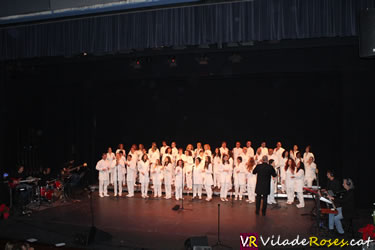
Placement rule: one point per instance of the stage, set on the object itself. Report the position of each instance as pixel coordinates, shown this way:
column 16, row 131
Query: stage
column 137, row 223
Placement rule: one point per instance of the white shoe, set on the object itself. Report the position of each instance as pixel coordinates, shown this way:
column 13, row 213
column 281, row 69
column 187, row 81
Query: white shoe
column 226, row 199
column 269, row 203
column 146, row 196
column 240, row 199
column 251, row 201
column 235, row 198
column 222, row 199
column 101, row 196
column 289, row 203
column 159, row 196
column 167, row 198
column 200, row 197
column 115, row 195
column 177, row 199
column 106, row 195
column 128, row 195
column 120, row 194
column 299, row 206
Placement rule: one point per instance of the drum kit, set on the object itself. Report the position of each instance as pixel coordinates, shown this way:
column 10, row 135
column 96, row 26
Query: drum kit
column 51, row 192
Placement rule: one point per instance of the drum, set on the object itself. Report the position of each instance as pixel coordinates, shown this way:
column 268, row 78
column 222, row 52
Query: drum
column 46, row 192
column 58, row 184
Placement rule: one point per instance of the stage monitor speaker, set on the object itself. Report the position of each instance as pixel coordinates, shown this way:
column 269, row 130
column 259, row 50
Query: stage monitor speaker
column 90, row 236
column 367, row 33
column 197, row 243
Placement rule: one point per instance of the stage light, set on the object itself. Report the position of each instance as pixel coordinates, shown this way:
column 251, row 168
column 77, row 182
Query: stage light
column 84, row 54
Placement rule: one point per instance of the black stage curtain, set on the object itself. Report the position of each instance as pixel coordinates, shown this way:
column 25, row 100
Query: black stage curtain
column 256, row 20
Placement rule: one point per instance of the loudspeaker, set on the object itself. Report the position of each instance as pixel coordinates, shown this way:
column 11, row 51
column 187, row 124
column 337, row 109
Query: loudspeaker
column 176, row 207
column 197, row 242
column 367, row 33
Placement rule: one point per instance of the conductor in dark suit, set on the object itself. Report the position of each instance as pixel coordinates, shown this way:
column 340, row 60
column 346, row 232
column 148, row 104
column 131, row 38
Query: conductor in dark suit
column 264, row 171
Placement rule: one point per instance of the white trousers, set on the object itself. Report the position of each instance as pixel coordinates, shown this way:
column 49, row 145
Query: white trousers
column 157, row 190
column 144, row 188
column 301, row 199
column 290, row 194
column 271, row 196
column 251, row 192
column 224, row 190
column 117, row 186
column 130, row 184
column 103, row 185
column 197, row 188
column 168, row 190
column 217, row 180
column 189, row 181
column 309, row 182
column 209, row 191
column 178, row 192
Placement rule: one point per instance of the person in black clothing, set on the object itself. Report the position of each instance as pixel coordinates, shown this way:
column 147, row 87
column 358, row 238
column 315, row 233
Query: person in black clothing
column 46, row 177
column 345, row 206
column 333, row 184
column 264, row 171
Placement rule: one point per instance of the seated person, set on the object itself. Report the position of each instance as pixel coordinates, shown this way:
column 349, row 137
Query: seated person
column 345, row 206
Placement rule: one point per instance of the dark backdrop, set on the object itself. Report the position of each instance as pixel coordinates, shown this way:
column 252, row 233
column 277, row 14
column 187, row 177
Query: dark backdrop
column 60, row 109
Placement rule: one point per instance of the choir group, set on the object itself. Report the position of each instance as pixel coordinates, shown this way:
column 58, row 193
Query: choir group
column 199, row 168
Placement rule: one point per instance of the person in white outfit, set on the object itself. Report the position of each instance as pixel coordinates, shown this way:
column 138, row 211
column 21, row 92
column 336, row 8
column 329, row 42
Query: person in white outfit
column 310, row 172
column 278, row 152
column 251, row 180
column 237, row 151
column 307, row 155
column 110, row 158
column 224, row 150
column 198, row 177
column 197, row 150
column 264, row 149
column 157, row 177
column 153, row 153
column 293, row 153
column 188, row 169
column 225, row 177
column 258, row 156
column 118, row 165
column 179, row 179
column 168, row 172
column 273, row 183
column 244, row 155
column 283, row 164
column 103, row 167
column 208, row 182
column 299, row 182
column 131, row 170
column 207, row 150
column 290, row 175
column 133, row 152
column 217, row 167
column 163, row 148
column 144, row 169
column 240, row 171
column 250, row 150
column 174, row 152
column 120, row 148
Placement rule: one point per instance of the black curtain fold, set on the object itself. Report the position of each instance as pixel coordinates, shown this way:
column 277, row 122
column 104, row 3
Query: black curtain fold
column 256, row 20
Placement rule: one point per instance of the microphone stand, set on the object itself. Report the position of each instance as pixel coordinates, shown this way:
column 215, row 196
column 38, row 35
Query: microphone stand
column 218, row 242
column 277, row 205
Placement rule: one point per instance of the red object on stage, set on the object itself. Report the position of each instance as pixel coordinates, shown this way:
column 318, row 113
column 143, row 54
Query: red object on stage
column 310, row 190
column 328, row 211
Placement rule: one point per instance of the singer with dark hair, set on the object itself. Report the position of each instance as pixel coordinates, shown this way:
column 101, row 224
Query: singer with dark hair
column 264, row 171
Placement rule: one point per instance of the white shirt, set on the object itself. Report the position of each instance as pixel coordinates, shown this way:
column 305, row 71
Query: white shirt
column 168, row 174
column 236, row 152
column 144, row 168
column 226, row 173
column 208, row 176
column 153, row 156
column 310, row 171
column 156, row 173
column 307, row 156
column 224, row 151
column 118, row 170
column 179, row 178
column 102, row 166
column 264, row 151
column 250, row 152
column 162, row 150
column 279, row 154
column 131, row 169
column 198, row 173
column 299, row 180
column 123, row 151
